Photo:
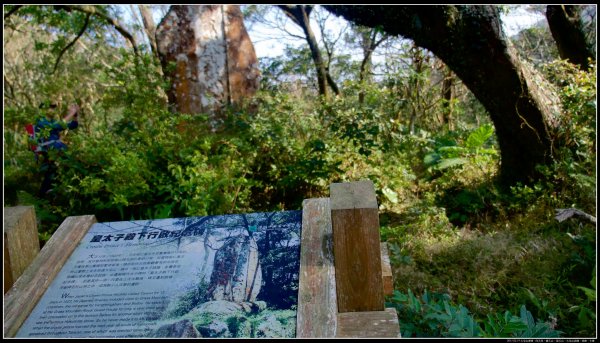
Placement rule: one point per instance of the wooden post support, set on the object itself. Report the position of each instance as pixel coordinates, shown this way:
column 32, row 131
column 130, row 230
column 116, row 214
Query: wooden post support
column 21, row 242
column 29, row 288
column 356, row 247
column 386, row 268
column 370, row 324
column 317, row 304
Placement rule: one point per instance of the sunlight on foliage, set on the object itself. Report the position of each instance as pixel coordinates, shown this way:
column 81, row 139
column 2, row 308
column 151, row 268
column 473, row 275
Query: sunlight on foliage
column 474, row 259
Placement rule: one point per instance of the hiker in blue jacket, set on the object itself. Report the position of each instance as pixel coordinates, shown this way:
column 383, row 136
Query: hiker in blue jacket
column 47, row 132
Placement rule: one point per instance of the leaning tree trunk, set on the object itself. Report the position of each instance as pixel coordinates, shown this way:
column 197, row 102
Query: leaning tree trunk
column 567, row 30
column 415, row 87
column 149, row 27
column 369, row 42
column 300, row 15
column 447, row 84
column 470, row 40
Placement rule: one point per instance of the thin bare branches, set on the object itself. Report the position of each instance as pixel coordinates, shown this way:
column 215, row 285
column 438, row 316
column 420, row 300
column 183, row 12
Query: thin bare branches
column 62, row 52
column 149, row 27
column 88, row 9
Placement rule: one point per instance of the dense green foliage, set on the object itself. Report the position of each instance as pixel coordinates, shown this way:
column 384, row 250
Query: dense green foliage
column 506, row 249
column 435, row 316
column 480, row 251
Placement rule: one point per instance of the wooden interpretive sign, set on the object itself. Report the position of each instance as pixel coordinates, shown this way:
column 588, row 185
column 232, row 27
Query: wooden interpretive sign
column 357, row 250
column 315, row 273
column 213, row 276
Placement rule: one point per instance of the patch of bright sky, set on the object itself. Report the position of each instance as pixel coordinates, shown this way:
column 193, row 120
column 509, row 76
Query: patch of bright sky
column 270, row 42
column 519, row 19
